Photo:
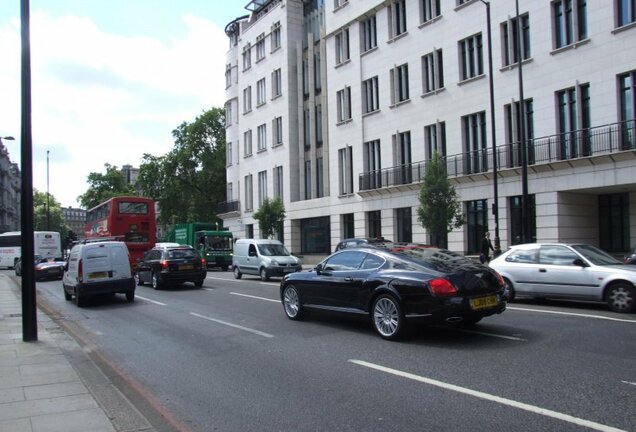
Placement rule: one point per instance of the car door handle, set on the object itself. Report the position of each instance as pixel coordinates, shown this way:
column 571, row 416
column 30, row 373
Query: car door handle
column 348, row 279
column 542, row 270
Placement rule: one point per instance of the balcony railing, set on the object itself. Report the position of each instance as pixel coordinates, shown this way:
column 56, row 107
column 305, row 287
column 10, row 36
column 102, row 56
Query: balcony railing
column 228, row 207
column 584, row 143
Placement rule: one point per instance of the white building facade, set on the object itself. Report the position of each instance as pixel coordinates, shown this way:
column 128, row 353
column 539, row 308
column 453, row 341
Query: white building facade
column 369, row 90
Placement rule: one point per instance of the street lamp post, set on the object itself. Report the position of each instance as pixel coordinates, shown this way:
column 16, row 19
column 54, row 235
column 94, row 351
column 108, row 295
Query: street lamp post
column 48, row 205
column 495, row 206
column 525, row 226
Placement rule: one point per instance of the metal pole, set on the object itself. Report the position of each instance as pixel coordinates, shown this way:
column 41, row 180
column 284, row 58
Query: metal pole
column 48, row 204
column 29, row 312
column 525, row 228
column 495, row 207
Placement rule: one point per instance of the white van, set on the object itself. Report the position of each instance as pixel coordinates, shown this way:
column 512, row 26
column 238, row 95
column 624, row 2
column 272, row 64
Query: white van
column 98, row 268
column 264, row 258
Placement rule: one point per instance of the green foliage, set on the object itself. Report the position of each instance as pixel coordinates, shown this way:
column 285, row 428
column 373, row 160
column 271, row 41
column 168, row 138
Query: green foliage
column 270, row 217
column 189, row 181
column 102, row 187
column 53, row 221
column 440, row 209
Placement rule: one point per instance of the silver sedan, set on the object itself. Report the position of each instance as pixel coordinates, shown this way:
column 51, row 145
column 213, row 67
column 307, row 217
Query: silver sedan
column 568, row 271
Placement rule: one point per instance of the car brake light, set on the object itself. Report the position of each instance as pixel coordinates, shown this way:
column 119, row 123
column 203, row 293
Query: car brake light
column 442, row 287
column 164, row 265
column 203, row 263
column 80, row 268
column 500, row 279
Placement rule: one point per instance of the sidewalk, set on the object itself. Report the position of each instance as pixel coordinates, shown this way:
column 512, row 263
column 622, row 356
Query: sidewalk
column 44, row 385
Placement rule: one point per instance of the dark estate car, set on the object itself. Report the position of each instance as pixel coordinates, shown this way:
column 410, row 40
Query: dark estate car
column 163, row 265
column 380, row 242
column 44, row 269
column 431, row 285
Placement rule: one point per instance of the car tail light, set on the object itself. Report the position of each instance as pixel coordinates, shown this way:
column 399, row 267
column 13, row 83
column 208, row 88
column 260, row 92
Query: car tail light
column 203, row 263
column 80, row 268
column 500, row 279
column 164, row 265
column 442, row 287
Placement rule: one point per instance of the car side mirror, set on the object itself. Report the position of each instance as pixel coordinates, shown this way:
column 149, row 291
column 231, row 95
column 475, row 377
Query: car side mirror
column 579, row 262
column 318, row 268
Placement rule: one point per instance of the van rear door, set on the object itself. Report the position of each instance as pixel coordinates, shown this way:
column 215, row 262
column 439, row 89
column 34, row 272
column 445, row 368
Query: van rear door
column 120, row 261
column 96, row 263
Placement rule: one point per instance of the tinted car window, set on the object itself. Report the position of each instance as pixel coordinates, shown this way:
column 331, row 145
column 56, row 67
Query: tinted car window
column 523, row 256
column 556, row 255
column 372, row 262
column 181, row 253
column 349, row 260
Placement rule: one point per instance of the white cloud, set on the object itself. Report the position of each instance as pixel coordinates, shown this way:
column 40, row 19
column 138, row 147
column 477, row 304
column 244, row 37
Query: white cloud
column 99, row 97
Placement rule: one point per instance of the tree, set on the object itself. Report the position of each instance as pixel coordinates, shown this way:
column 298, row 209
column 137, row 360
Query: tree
column 105, row 186
column 440, row 209
column 270, row 216
column 189, row 181
column 52, row 220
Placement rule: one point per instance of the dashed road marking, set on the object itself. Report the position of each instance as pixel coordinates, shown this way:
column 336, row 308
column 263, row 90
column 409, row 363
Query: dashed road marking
column 255, row 297
column 247, row 329
column 151, row 301
column 570, row 314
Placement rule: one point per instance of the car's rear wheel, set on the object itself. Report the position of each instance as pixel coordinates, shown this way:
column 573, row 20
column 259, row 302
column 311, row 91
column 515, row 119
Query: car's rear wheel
column 138, row 279
column 511, row 289
column 155, row 281
column 387, row 317
column 237, row 273
column 291, row 303
column 198, row 283
column 80, row 301
column 130, row 296
column 621, row 297
column 264, row 275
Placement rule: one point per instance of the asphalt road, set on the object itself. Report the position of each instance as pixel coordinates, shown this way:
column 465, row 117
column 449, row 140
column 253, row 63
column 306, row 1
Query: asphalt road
column 225, row 358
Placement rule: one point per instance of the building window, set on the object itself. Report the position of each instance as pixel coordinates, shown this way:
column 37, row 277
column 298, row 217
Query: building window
column 307, row 128
column 277, row 87
column 435, row 139
column 315, row 235
column 625, row 12
column 317, row 70
column 261, row 92
column 249, row 198
column 305, row 77
column 228, row 154
column 342, row 46
column 512, row 117
column 247, row 57
column 371, row 159
column 432, row 71
column 574, row 120
column 374, row 224
column 249, row 231
column 229, row 193
column 627, row 87
column 228, row 75
column 399, row 84
column 510, row 43
column 570, row 22
column 318, row 125
column 404, row 225
column 347, row 226
column 397, row 18
column 261, row 138
column 402, row 157
column 247, row 143
column 247, row 99
column 275, row 36
column 337, row 4
column 370, row 99
column 308, row 179
column 516, row 223
column 320, row 187
column 228, row 114
column 471, row 57
column 369, row 34
column 343, row 98
column 474, row 137
column 262, row 187
column 476, row 224
column 277, row 131
column 345, row 171
column 613, row 216
column 429, row 10
column 278, row 182
column 260, row 47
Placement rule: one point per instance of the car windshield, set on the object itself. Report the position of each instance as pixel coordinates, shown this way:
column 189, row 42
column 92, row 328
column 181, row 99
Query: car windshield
column 182, row 253
column 595, row 255
column 273, row 250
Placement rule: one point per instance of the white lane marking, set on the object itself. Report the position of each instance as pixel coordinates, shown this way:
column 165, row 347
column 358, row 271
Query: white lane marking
column 151, row 301
column 494, row 335
column 520, row 405
column 270, row 283
column 223, row 279
column 247, row 329
column 255, row 297
column 208, row 289
column 571, row 314
column 630, row 383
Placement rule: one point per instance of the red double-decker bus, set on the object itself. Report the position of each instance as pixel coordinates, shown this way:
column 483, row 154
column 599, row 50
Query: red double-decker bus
column 129, row 219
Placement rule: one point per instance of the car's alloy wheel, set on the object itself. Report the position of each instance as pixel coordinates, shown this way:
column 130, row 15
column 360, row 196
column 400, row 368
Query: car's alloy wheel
column 511, row 289
column 237, row 272
column 155, row 281
column 138, row 279
column 264, row 275
column 291, row 303
column 387, row 317
column 621, row 297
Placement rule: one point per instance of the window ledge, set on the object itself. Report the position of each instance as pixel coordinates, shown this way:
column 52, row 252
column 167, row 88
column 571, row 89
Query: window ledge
column 514, row 65
column 369, row 51
column 247, row 111
column 400, row 103
column 469, row 80
column 247, row 156
column 278, row 96
column 260, row 104
column 463, row 5
column 431, row 21
column 247, row 68
column 625, row 27
column 261, row 150
column 343, row 122
column 433, row 92
column 370, row 113
column 398, row 37
column 275, row 49
column 346, row 195
column 258, row 60
column 342, row 6
column 347, row 61
column 277, row 145
column 574, row 45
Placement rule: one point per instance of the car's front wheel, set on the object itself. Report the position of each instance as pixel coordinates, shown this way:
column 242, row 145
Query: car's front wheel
column 237, row 273
column 138, row 279
column 264, row 275
column 510, row 288
column 291, row 303
column 387, row 317
column 621, row 297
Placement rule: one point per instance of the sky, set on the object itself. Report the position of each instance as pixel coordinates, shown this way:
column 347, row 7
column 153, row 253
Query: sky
column 110, row 81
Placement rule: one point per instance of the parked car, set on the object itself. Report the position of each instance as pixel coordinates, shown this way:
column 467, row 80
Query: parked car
column 630, row 257
column 264, row 258
column 364, row 241
column 167, row 264
column 568, row 271
column 430, row 285
column 43, row 268
column 98, row 267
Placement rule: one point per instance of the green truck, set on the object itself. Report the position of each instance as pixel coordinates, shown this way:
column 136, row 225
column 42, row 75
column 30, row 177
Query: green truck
column 214, row 244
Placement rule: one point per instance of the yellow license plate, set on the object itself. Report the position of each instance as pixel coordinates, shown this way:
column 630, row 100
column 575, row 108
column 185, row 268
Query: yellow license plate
column 186, row 267
column 97, row 275
column 483, row 302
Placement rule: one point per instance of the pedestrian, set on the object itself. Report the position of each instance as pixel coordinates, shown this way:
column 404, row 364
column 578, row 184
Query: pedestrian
column 486, row 247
